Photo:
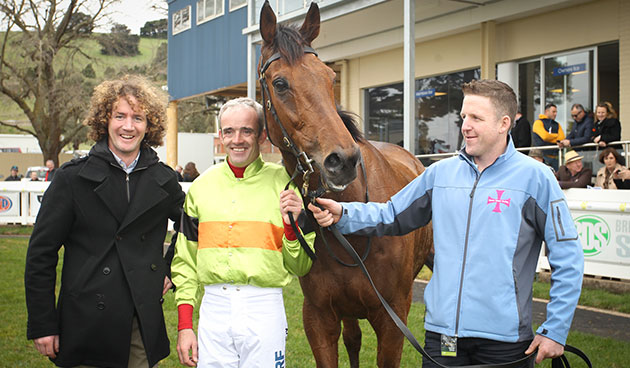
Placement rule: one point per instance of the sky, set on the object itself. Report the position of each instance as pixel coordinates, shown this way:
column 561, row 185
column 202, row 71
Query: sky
column 132, row 13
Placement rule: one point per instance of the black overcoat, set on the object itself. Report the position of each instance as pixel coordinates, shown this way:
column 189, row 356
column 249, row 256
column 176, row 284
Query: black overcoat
column 113, row 264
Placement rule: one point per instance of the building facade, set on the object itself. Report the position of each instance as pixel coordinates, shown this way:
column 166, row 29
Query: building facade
column 549, row 51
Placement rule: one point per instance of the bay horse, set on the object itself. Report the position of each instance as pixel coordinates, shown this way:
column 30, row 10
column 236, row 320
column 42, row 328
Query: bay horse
column 303, row 121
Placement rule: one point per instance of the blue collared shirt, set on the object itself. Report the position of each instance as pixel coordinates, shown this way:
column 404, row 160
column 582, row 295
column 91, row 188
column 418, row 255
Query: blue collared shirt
column 128, row 169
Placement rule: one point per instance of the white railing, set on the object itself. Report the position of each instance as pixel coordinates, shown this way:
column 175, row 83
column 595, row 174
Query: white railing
column 561, row 151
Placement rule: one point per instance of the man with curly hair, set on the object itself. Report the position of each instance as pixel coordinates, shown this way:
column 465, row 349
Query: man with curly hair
column 109, row 210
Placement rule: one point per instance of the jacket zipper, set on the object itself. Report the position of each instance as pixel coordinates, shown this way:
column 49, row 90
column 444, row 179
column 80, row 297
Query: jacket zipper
column 461, row 276
column 127, row 182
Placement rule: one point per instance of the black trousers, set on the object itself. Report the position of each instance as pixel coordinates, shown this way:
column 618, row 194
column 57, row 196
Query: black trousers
column 472, row 350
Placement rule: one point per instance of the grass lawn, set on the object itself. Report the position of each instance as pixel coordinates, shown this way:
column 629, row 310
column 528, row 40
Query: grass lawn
column 16, row 351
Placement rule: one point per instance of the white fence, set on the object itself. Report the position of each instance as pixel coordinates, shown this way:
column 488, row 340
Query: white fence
column 602, row 218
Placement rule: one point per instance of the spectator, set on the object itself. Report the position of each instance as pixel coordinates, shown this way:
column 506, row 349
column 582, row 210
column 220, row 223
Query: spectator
column 109, row 210
column 491, row 209
column 607, row 128
column 537, row 155
column 34, row 176
column 573, row 174
column 582, row 128
column 622, row 178
column 178, row 171
column 611, row 160
column 190, row 172
column 547, row 131
column 244, row 266
column 50, row 174
column 14, row 174
column 522, row 132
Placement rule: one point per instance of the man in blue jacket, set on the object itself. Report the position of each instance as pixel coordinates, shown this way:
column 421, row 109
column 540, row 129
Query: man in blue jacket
column 582, row 126
column 491, row 208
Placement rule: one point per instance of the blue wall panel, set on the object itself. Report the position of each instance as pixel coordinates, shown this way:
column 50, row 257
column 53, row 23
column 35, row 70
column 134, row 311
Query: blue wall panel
column 207, row 56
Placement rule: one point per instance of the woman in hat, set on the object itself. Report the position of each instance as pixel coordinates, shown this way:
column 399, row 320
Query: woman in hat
column 610, row 158
column 573, row 174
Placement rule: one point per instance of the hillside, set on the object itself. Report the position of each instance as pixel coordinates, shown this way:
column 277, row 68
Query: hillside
column 101, row 63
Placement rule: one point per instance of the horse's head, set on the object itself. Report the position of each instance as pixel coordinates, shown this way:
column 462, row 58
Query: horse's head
column 298, row 88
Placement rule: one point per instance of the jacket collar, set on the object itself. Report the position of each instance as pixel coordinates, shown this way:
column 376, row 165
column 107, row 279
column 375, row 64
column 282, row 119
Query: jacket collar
column 252, row 169
column 101, row 155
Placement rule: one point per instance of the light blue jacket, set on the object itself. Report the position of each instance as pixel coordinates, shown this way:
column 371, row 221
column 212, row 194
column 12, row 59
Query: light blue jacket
column 488, row 228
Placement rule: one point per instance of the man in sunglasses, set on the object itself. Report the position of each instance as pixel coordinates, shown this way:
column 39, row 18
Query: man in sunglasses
column 581, row 131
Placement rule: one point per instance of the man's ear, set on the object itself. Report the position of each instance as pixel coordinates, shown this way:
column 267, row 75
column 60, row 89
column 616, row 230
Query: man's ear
column 262, row 137
column 506, row 123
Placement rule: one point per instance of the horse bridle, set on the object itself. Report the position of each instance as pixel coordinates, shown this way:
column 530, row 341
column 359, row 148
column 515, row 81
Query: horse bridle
column 304, row 164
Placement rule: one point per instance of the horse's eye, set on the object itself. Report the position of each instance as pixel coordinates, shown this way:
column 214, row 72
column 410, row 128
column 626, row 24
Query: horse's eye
column 280, row 85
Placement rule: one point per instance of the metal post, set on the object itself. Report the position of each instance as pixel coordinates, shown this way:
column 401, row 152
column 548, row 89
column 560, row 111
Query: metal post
column 409, row 84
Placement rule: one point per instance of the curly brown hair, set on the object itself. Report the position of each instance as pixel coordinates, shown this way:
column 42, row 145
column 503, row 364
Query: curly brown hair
column 151, row 100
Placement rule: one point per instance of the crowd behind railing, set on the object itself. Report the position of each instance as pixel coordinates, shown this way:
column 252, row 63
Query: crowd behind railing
column 590, row 155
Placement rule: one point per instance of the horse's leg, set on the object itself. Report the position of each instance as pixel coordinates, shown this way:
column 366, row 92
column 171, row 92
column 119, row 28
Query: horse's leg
column 390, row 339
column 322, row 329
column 352, row 340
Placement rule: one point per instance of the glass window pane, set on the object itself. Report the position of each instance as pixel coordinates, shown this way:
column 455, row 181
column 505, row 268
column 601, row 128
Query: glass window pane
column 236, row 3
column 529, row 90
column 209, row 8
column 438, row 103
column 568, row 81
column 219, row 7
column 200, row 10
column 384, row 111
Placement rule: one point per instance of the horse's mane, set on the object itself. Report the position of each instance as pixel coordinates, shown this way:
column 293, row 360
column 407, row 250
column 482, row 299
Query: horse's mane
column 290, row 44
column 350, row 121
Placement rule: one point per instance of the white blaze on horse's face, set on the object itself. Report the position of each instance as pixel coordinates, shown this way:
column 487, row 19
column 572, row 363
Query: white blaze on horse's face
column 239, row 135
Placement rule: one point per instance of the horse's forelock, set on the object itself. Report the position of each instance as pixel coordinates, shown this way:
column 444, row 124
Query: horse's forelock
column 289, row 43
column 349, row 120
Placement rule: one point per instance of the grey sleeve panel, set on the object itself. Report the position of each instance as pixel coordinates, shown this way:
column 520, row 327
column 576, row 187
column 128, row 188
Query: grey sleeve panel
column 525, row 261
column 416, row 215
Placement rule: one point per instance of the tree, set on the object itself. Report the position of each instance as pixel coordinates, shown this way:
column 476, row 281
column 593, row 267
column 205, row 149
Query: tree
column 119, row 42
column 155, row 29
column 38, row 70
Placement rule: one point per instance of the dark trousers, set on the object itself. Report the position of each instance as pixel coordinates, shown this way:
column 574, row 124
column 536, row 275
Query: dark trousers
column 472, row 350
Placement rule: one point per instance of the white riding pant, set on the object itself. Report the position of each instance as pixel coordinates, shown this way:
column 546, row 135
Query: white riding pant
column 242, row 327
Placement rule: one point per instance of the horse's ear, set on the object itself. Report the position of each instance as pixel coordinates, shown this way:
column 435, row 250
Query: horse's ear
column 267, row 23
column 310, row 28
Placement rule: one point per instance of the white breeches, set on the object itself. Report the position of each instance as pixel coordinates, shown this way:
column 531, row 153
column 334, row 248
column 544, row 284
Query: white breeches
column 242, row 327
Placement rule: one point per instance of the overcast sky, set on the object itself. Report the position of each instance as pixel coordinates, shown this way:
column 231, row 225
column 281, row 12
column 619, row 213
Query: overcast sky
column 132, row 13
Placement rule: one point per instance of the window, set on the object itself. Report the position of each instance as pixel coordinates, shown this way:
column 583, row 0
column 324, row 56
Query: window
column 237, row 4
column 209, row 9
column 181, row 20
column 438, row 103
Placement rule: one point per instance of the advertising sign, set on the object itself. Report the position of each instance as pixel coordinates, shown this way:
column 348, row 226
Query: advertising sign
column 9, row 204
column 602, row 219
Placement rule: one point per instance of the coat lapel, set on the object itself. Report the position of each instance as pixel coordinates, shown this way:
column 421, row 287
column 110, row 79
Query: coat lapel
column 148, row 193
column 97, row 170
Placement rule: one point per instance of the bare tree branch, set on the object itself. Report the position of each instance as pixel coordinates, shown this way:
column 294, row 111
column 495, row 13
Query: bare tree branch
column 17, row 127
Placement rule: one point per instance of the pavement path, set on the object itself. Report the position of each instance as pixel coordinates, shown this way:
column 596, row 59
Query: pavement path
column 594, row 321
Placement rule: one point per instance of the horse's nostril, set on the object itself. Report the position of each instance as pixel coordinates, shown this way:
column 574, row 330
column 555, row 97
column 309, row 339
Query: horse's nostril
column 333, row 162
